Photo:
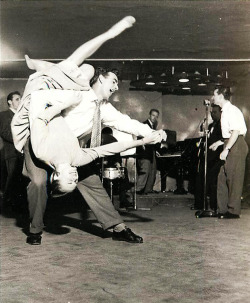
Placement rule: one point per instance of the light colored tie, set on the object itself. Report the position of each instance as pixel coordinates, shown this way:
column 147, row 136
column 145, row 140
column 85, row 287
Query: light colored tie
column 96, row 128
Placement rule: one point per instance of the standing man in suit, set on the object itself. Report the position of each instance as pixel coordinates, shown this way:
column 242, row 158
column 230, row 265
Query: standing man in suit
column 13, row 159
column 146, row 163
column 213, row 163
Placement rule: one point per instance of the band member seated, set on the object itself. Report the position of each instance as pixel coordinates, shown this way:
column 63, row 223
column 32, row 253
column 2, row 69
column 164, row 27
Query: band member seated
column 146, row 163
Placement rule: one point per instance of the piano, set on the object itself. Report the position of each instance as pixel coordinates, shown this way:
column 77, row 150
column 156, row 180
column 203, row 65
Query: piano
column 178, row 160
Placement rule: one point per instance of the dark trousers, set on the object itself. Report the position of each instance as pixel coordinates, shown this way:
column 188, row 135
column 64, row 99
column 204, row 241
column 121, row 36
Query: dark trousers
column 231, row 178
column 90, row 187
column 211, row 185
column 15, row 184
column 146, row 174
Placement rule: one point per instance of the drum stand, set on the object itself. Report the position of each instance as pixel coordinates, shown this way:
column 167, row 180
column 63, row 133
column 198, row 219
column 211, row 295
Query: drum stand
column 205, row 212
column 111, row 191
column 135, row 178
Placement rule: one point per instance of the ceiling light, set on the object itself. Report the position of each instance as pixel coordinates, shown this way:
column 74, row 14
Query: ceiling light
column 197, row 75
column 149, row 80
column 202, row 83
column 163, row 78
column 184, row 78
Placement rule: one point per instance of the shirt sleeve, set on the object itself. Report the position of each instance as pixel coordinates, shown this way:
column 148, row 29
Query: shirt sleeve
column 114, row 118
column 236, row 120
column 87, row 155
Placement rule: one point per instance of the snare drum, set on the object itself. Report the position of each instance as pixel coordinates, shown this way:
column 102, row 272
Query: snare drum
column 121, row 172
column 111, row 173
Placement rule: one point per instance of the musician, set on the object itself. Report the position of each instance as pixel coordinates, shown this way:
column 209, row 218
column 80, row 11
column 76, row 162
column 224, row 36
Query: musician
column 235, row 149
column 146, row 163
column 213, row 163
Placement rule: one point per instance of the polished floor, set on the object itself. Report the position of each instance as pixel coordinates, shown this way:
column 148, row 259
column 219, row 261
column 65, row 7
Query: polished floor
column 182, row 260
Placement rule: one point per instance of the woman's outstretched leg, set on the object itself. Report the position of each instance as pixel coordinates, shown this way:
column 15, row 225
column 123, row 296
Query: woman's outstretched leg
column 88, row 48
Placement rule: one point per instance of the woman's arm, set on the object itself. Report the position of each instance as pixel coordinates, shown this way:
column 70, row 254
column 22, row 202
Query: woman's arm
column 87, row 155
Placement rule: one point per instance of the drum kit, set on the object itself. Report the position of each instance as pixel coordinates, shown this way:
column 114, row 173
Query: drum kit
column 112, row 173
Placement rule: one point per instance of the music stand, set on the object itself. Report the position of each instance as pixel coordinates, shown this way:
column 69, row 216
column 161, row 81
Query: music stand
column 205, row 212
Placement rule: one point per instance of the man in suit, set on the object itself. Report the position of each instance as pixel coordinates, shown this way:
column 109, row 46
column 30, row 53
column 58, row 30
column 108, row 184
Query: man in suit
column 213, row 163
column 12, row 158
column 146, row 163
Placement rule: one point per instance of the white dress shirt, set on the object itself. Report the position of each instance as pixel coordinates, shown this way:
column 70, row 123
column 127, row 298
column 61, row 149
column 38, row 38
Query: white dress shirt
column 232, row 119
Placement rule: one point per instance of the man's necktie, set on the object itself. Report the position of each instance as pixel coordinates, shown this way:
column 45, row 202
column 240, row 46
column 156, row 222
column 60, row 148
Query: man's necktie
column 96, row 128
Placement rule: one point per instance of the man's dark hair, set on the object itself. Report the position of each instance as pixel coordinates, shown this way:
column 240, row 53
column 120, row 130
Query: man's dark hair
column 225, row 91
column 154, row 110
column 10, row 95
column 102, row 71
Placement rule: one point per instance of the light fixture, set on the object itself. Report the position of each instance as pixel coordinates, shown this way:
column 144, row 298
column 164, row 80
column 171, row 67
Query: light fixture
column 202, row 83
column 185, row 86
column 149, row 80
column 163, row 78
column 218, row 81
column 184, row 78
column 197, row 75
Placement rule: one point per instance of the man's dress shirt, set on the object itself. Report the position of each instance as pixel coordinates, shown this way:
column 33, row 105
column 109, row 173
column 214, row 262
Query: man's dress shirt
column 232, row 119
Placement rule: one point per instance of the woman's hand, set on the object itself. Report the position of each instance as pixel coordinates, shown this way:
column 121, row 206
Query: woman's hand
column 153, row 138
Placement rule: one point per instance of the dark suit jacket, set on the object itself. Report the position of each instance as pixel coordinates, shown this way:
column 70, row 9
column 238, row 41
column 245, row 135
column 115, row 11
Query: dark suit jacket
column 148, row 151
column 216, row 135
column 6, row 135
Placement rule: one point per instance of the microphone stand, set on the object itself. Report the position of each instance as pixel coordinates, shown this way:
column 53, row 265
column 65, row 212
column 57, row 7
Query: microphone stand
column 205, row 212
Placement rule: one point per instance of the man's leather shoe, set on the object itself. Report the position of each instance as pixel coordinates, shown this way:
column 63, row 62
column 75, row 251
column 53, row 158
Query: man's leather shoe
column 228, row 215
column 34, row 239
column 127, row 235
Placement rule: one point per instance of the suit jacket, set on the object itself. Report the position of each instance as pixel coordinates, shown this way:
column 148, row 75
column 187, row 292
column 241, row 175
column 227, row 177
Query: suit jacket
column 148, row 151
column 216, row 135
column 6, row 135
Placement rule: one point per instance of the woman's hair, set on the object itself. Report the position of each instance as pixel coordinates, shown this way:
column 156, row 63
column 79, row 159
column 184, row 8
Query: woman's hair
column 225, row 91
column 102, row 71
column 56, row 190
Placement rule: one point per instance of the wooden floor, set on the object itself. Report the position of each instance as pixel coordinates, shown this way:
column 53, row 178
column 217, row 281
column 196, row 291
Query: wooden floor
column 182, row 260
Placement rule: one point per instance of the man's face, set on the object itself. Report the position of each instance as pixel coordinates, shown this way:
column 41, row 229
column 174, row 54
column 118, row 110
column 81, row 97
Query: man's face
column 153, row 117
column 216, row 113
column 14, row 103
column 217, row 99
column 109, row 85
